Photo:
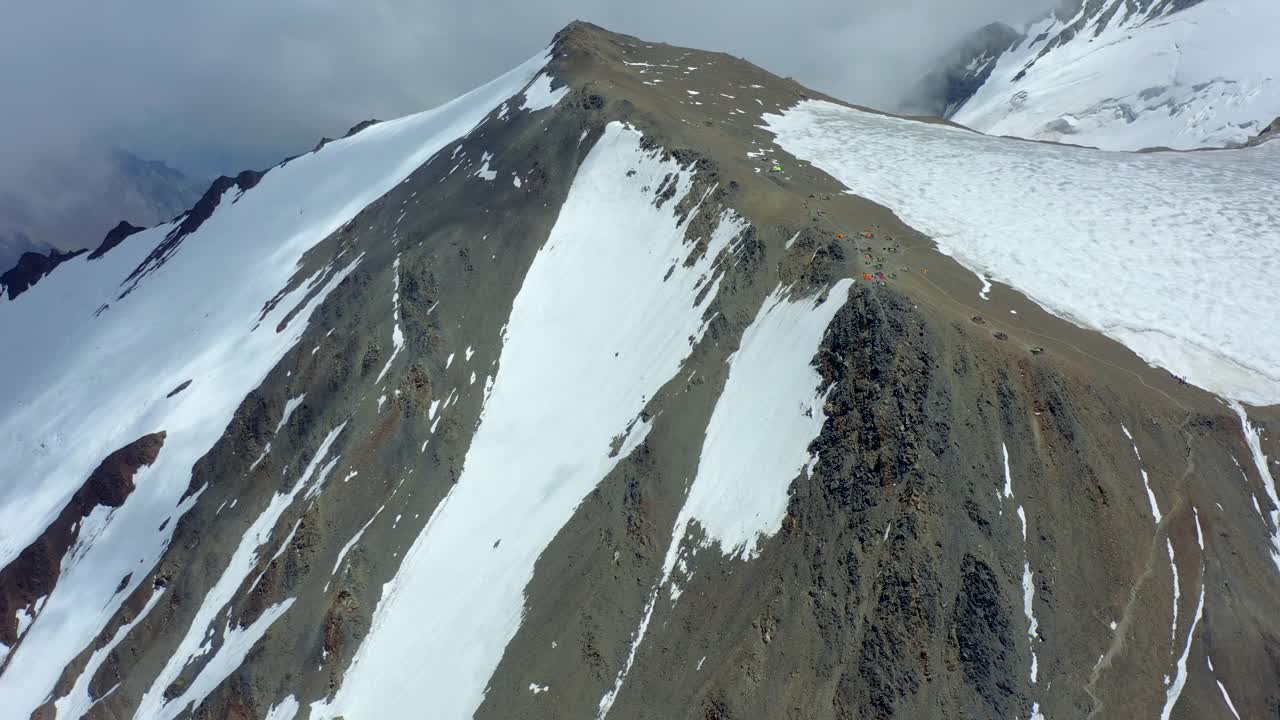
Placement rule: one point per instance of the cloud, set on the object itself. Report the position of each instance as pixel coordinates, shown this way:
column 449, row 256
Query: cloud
column 214, row 87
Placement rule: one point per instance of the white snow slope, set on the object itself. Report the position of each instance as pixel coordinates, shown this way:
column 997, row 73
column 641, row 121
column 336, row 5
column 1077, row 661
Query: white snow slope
column 746, row 466
column 1175, row 255
column 1202, row 77
column 595, row 331
column 85, row 385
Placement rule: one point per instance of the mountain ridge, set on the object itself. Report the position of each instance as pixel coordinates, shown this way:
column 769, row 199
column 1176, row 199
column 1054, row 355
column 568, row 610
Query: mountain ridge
column 1197, row 76
column 72, row 195
column 30, row 270
column 525, row 337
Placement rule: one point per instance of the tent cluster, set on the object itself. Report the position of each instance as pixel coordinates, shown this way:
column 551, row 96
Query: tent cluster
column 877, row 271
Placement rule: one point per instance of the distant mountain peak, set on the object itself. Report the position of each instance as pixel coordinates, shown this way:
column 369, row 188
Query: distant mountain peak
column 1122, row 74
column 71, row 201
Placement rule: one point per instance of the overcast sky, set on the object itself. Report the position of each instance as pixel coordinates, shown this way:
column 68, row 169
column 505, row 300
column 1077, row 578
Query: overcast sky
column 217, row 86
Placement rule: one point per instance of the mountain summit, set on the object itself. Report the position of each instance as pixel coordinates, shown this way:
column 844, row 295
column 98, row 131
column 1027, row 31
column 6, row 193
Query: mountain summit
column 642, row 383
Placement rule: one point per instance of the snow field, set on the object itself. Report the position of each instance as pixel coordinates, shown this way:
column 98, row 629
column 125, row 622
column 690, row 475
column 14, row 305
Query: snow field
column 1173, row 254
column 739, row 495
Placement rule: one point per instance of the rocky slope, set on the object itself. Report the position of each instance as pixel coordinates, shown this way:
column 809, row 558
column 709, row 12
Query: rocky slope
column 593, row 393
column 1196, row 73
column 13, row 247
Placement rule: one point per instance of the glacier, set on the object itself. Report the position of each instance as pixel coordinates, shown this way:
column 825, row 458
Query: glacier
column 1175, row 255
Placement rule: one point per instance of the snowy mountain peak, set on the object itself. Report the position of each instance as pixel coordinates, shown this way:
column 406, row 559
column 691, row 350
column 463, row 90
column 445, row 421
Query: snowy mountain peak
column 640, row 382
column 1195, row 74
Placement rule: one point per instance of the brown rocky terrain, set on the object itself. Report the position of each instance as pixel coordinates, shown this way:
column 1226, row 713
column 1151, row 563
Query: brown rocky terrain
column 33, row 575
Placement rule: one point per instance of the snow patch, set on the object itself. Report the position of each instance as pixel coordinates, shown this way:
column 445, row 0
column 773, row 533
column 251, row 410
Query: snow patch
column 1028, row 609
column 1174, row 691
column 1177, row 592
column 286, row 710
column 397, row 336
column 284, row 545
column 1254, row 441
column 484, row 173
column 540, row 96
column 1008, row 479
column 290, row 405
column 1226, row 697
column 352, row 542
column 1151, row 498
column 25, row 618
column 1028, row 579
